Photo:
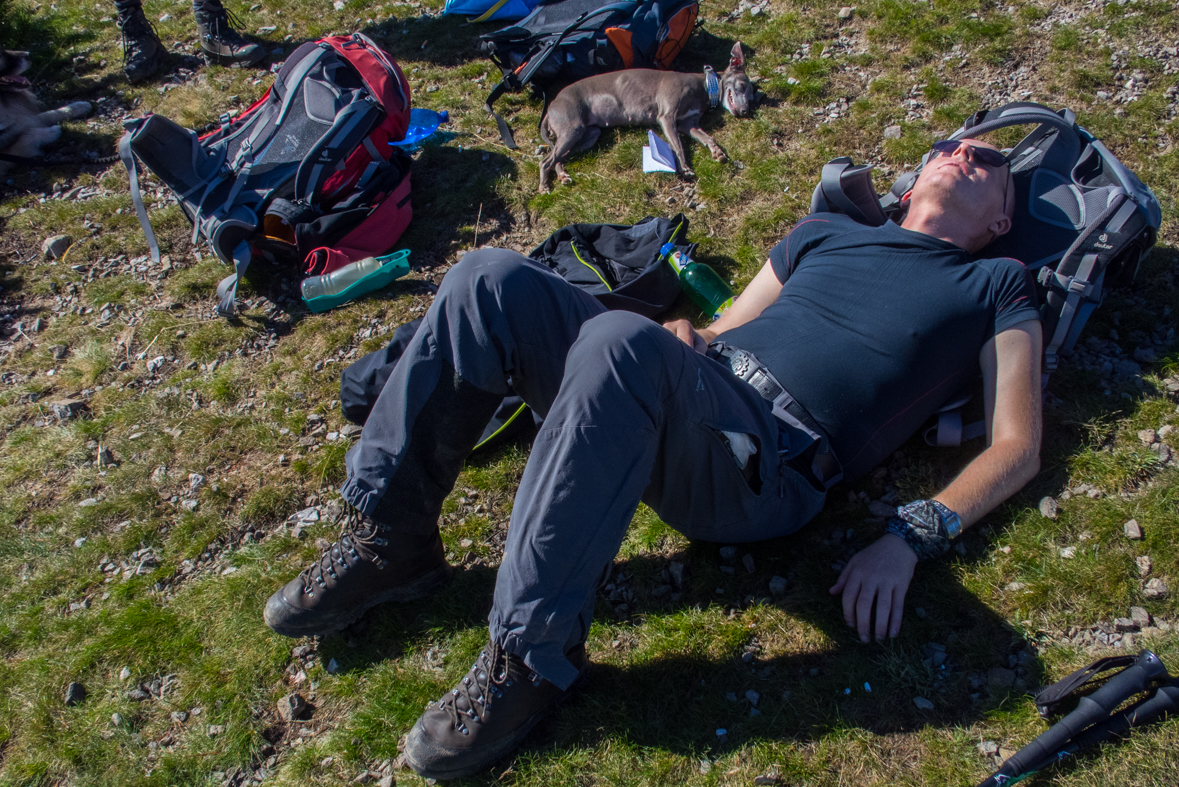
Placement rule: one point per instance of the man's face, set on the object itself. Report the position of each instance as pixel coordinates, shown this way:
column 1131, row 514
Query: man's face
column 963, row 182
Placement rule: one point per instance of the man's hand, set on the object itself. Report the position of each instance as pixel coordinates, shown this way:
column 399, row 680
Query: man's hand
column 877, row 578
column 689, row 335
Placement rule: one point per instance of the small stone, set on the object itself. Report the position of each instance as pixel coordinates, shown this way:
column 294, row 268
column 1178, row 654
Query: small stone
column 125, row 674
column 768, row 778
column 338, row 5
column 1122, row 625
column 1132, row 530
column 138, row 695
column 105, row 458
column 1140, row 616
column 214, row 730
column 292, row 707
column 778, row 586
column 846, row 13
column 195, row 481
column 387, row 780
column 988, row 748
column 55, row 246
column 117, row 719
column 1144, row 565
column 1148, row 436
column 1014, row 587
column 753, row 697
column 747, row 561
column 923, row 703
column 74, row 694
column 333, row 666
column 179, row 716
column 1068, row 553
column 1166, row 431
column 67, row 409
column 351, row 430
column 89, row 502
column 58, row 351
column 1048, row 507
column 189, row 505
column 1155, row 589
column 728, row 553
column 1000, row 678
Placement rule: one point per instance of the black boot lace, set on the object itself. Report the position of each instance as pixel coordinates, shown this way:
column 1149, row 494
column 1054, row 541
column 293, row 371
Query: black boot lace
column 358, row 541
column 139, row 35
column 483, row 684
column 222, row 24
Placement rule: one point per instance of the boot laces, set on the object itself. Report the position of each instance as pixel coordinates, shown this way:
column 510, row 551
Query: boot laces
column 486, row 681
column 139, row 35
column 358, row 540
column 223, row 24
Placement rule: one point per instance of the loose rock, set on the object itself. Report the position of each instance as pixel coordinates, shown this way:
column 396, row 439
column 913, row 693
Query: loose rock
column 1132, row 530
column 846, row 13
column 55, row 246
column 1144, row 565
column 778, row 585
column 1140, row 616
column 67, row 409
column 1048, row 507
column 1156, row 589
column 74, row 694
column 1148, row 436
column 292, row 707
column 923, row 703
column 747, row 560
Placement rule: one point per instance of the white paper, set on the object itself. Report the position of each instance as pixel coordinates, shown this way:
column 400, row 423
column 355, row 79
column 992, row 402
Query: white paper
column 657, row 155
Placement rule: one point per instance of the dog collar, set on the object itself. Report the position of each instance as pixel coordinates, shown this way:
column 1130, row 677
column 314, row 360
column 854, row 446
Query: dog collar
column 712, row 85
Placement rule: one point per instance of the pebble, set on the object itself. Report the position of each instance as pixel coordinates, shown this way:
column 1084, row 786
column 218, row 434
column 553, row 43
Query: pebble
column 67, row 409
column 1122, row 625
column 1140, row 616
column 1068, row 553
column 778, row 586
column 846, row 13
column 214, row 730
column 179, row 716
column 728, row 553
column 1014, row 586
column 1156, row 589
column 333, row 666
column 55, row 246
column 292, row 707
column 117, row 719
column 1144, row 565
column 74, row 694
column 747, row 561
column 753, row 697
column 138, row 695
column 1048, row 507
column 1148, row 436
column 1132, row 530
column 923, row 703
column 125, row 674
column 988, row 748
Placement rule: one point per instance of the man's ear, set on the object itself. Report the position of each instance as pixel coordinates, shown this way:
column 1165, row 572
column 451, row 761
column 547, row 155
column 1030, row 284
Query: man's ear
column 737, row 58
column 1000, row 226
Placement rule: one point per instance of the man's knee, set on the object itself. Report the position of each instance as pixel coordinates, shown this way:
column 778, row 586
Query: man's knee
column 623, row 344
column 497, row 272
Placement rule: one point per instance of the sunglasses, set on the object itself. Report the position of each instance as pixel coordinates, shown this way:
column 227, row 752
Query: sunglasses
column 986, row 156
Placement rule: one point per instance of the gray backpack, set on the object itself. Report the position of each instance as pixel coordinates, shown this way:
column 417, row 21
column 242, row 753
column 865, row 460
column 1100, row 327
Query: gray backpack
column 1083, row 223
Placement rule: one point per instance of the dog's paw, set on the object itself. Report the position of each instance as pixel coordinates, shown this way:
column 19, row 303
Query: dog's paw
column 719, row 155
column 565, row 179
column 79, row 109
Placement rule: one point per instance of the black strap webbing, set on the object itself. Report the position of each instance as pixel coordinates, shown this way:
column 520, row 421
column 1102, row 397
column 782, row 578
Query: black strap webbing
column 1048, row 699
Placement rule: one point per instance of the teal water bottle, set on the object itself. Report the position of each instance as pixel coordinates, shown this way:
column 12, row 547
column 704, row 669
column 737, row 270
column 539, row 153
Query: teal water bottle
column 704, row 286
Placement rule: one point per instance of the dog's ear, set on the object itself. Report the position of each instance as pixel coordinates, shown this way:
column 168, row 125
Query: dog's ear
column 737, row 58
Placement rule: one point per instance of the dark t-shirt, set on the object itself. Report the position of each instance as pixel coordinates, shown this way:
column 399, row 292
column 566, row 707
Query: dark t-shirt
column 877, row 327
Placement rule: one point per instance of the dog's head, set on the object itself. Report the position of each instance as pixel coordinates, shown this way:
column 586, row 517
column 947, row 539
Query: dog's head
column 12, row 65
column 737, row 91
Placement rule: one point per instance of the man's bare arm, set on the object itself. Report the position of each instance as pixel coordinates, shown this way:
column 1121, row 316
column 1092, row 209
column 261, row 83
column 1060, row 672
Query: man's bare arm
column 877, row 578
column 760, row 293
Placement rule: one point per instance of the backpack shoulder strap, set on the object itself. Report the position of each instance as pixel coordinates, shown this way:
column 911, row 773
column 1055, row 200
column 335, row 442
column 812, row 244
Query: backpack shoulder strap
column 846, row 188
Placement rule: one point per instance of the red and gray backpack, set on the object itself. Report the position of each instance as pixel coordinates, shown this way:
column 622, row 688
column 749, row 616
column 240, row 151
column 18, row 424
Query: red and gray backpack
column 308, row 174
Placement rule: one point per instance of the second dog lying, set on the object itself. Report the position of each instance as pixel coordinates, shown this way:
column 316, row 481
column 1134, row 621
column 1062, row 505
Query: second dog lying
column 642, row 97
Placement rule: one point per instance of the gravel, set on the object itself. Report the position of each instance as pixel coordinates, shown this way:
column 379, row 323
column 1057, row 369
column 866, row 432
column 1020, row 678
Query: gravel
column 1156, row 589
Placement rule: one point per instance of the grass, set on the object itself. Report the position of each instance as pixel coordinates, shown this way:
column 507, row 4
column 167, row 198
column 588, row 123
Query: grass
column 214, row 452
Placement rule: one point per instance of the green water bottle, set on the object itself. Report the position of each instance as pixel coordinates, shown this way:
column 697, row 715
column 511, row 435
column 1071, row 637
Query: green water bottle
column 703, row 285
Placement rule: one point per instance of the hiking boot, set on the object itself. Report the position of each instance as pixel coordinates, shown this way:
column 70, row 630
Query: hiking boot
column 486, row 716
column 359, row 571
column 220, row 42
column 142, row 49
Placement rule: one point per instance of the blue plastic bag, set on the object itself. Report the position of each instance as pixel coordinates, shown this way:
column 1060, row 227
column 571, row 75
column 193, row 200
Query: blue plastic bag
column 486, row 10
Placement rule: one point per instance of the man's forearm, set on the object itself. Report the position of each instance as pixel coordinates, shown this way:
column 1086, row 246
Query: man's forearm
column 995, row 475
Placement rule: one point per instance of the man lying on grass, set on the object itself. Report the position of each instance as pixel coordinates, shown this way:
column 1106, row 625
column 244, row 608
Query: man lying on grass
column 870, row 330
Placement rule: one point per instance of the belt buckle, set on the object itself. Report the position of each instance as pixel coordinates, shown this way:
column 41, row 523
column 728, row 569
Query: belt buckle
column 740, row 363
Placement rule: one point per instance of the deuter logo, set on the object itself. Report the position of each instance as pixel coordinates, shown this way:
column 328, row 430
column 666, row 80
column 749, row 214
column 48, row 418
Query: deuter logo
column 1103, row 237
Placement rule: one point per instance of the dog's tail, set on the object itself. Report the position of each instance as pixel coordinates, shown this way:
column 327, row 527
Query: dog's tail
column 543, row 126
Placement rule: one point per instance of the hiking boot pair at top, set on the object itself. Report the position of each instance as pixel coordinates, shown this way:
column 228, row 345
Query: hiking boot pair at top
column 220, row 42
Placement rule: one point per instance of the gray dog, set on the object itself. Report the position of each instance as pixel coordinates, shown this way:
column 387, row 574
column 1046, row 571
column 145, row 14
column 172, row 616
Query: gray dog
column 642, row 97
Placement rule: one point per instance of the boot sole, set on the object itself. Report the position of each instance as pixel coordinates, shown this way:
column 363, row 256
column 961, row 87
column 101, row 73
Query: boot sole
column 228, row 60
column 494, row 753
column 426, row 585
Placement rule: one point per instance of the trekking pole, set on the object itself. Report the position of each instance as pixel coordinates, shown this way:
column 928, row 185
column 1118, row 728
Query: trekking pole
column 1163, row 702
column 1091, row 709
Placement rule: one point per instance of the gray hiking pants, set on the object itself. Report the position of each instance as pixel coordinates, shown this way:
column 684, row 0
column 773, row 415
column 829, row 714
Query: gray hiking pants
column 630, row 413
